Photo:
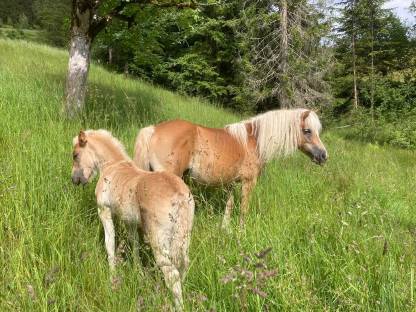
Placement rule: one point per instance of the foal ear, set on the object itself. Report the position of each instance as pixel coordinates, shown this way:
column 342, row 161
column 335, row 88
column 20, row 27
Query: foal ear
column 305, row 115
column 82, row 138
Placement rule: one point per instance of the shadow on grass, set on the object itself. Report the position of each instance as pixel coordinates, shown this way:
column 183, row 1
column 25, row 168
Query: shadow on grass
column 114, row 106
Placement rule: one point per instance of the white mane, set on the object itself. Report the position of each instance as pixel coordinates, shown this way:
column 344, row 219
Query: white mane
column 238, row 131
column 109, row 136
column 277, row 132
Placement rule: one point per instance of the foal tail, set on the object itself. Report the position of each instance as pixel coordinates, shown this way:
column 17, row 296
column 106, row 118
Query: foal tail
column 141, row 148
column 182, row 236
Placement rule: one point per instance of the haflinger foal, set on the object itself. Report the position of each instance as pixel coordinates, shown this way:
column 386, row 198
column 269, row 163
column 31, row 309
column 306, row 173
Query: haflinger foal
column 236, row 153
column 159, row 202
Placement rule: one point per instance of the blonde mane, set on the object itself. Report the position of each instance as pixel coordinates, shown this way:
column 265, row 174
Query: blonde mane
column 238, row 131
column 277, row 132
column 106, row 136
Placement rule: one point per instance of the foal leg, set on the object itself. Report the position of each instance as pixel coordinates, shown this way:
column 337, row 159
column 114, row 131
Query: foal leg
column 162, row 240
column 247, row 187
column 228, row 209
column 109, row 234
column 172, row 278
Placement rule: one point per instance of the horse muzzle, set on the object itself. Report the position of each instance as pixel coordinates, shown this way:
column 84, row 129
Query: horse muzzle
column 77, row 180
column 319, row 156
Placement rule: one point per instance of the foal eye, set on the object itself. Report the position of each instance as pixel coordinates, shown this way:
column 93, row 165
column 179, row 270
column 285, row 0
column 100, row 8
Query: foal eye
column 307, row 131
column 74, row 156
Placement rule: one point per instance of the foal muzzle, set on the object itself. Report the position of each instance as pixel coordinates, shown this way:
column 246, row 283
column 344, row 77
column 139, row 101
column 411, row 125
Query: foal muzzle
column 78, row 179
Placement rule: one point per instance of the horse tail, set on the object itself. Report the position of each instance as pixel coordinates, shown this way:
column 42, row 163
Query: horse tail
column 141, row 148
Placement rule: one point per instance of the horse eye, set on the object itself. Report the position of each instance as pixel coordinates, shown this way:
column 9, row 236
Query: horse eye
column 74, row 156
column 307, row 131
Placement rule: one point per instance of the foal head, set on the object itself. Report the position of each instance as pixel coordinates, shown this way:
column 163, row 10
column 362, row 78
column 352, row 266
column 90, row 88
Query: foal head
column 84, row 163
column 309, row 141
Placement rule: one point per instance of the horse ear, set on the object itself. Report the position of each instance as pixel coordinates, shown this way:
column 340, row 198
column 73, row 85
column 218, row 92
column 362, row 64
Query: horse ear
column 305, row 115
column 82, row 138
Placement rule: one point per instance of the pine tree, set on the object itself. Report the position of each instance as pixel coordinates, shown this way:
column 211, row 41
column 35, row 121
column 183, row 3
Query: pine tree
column 287, row 59
column 370, row 42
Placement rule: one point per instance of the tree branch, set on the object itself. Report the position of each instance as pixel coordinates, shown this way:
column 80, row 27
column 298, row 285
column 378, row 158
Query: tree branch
column 101, row 22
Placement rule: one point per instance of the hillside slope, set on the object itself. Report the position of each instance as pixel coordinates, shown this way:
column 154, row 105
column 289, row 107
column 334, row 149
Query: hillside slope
column 342, row 236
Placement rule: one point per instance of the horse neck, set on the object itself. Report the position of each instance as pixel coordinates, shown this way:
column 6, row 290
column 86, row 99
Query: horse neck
column 108, row 154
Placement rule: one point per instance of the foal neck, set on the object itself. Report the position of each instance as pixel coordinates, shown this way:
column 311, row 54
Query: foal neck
column 108, row 152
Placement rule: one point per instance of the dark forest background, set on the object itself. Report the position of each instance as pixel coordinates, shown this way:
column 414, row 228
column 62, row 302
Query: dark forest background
column 352, row 60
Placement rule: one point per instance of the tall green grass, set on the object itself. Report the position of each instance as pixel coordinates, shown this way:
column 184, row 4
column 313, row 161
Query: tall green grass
column 343, row 236
column 33, row 35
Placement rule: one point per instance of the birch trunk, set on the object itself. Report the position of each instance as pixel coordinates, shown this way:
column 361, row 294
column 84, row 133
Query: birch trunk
column 354, row 57
column 79, row 58
column 76, row 82
column 372, row 63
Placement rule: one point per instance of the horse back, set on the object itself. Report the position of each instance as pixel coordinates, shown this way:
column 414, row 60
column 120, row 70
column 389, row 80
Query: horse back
column 212, row 155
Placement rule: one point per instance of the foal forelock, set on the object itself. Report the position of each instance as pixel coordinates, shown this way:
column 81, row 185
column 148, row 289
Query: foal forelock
column 102, row 136
column 277, row 132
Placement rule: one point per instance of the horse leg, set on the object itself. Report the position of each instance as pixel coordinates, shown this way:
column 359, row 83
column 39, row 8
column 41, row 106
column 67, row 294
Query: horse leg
column 172, row 278
column 228, row 209
column 246, row 186
column 170, row 242
column 109, row 234
column 161, row 242
column 183, row 270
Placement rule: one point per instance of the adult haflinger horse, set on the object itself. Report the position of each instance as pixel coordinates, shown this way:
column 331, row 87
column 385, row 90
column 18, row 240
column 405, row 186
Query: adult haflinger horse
column 235, row 153
column 159, row 202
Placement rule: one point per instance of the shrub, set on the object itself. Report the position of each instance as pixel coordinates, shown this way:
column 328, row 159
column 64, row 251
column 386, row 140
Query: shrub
column 393, row 120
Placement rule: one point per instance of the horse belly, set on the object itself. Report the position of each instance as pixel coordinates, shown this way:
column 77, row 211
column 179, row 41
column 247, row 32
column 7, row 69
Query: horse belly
column 209, row 167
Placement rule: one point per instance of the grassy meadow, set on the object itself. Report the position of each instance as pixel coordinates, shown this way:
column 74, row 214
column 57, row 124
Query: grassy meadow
column 342, row 236
column 33, row 35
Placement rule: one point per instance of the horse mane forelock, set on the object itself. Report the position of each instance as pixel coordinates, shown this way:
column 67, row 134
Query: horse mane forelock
column 277, row 132
column 107, row 135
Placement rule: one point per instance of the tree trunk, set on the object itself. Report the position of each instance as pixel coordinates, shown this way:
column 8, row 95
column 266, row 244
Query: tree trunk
column 372, row 62
column 354, row 73
column 283, row 97
column 126, row 70
column 110, row 56
column 79, row 57
column 354, row 57
column 76, row 82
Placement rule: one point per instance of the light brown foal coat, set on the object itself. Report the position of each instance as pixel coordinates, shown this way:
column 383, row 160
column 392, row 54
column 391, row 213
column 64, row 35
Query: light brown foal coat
column 159, row 202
